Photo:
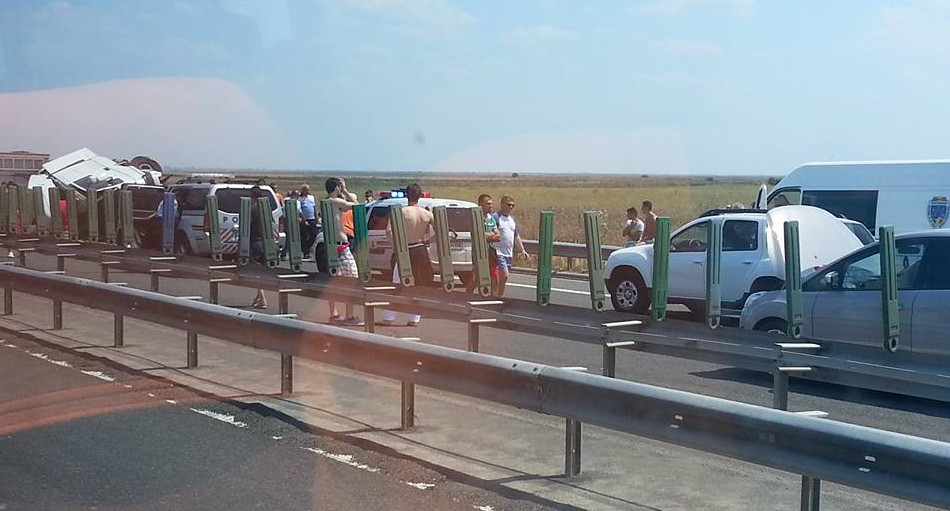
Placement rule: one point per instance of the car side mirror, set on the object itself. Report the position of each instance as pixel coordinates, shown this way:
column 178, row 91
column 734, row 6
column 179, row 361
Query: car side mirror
column 831, row 280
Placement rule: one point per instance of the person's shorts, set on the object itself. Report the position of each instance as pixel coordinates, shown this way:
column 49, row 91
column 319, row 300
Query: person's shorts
column 504, row 264
column 347, row 266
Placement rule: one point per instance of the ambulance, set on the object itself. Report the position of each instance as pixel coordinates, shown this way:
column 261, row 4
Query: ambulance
column 909, row 195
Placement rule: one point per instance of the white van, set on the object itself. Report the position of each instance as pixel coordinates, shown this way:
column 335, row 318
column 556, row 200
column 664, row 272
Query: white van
column 910, row 195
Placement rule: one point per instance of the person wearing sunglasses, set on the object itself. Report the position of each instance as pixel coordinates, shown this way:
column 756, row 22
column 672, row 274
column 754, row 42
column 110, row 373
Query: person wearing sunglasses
column 509, row 244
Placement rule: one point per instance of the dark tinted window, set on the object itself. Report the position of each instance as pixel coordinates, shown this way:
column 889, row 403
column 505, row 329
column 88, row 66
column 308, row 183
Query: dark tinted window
column 740, row 235
column 856, row 205
column 460, row 219
column 229, row 199
column 190, row 198
column 378, row 218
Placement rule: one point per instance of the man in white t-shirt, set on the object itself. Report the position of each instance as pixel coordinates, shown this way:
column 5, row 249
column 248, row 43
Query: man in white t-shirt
column 632, row 229
column 510, row 242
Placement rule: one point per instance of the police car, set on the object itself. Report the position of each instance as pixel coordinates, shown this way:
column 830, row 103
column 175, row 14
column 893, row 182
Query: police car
column 380, row 250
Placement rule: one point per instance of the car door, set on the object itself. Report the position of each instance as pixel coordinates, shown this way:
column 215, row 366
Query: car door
column 379, row 248
column 846, row 304
column 931, row 309
column 687, row 276
column 741, row 249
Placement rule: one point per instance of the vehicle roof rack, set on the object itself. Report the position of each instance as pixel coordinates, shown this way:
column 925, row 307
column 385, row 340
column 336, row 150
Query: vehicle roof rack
column 723, row 211
column 215, row 178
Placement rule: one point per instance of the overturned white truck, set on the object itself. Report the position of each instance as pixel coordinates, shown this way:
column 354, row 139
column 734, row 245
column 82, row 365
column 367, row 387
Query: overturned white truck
column 84, row 170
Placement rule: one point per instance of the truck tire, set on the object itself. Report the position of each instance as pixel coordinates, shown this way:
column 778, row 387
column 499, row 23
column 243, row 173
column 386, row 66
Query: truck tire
column 628, row 293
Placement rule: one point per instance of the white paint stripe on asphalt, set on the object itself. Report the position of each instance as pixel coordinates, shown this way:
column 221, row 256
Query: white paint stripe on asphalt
column 346, row 459
column 223, row 417
column 50, row 360
column 99, row 374
column 553, row 289
column 421, row 486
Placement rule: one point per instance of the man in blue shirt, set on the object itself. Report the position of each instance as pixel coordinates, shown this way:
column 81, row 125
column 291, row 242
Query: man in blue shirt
column 308, row 221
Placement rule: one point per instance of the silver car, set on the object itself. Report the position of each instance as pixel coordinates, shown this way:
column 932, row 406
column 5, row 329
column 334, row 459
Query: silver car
column 842, row 301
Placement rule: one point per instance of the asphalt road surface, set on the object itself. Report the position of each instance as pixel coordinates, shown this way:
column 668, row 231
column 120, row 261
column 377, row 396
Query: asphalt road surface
column 76, row 433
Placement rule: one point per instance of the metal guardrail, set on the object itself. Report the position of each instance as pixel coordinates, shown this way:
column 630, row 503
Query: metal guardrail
column 841, row 363
column 903, row 466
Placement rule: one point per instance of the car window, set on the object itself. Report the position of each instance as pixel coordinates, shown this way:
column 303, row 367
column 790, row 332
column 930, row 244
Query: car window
column 860, row 205
column 740, row 236
column 229, row 199
column 785, row 197
column 460, row 219
column 692, row 239
column 932, row 270
column 191, row 199
column 863, row 272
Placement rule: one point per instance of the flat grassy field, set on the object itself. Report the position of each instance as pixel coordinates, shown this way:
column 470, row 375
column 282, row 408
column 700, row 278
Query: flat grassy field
column 681, row 198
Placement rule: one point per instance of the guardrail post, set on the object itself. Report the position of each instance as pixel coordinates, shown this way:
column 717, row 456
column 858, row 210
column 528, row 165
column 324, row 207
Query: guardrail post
column 480, row 248
column 27, row 210
column 661, row 268
column 39, row 214
column 244, row 231
column 155, row 274
column 92, row 214
column 443, row 247
column 57, row 314
column 214, row 226
column 271, row 257
column 169, row 215
column 108, row 212
column 192, row 350
column 213, row 289
column 361, row 243
column 408, row 405
column 13, row 195
column 401, row 245
column 104, row 269
column 292, row 228
column 595, row 260
column 286, row 361
column 55, row 213
column 572, row 448
column 118, row 329
column 713, row 273
column 331, row 235
column 72, row 215
column 369, row 307
column 126, row 229
column 609, row 368
column 4, row 209
column 793, row 280
column 811, row 493
column 7, row 301
column 889, row 304
column 545, row 257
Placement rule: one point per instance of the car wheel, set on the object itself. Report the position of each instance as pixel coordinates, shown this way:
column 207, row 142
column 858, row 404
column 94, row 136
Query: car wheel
column 320, row 254
column 628, row 293
column 773, row 326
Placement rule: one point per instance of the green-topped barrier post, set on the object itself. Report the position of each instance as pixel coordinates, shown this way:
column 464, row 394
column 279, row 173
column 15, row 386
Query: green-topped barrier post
column 443, row 247
column 545, row 257
column 595, row 260
column 13, row 195
column 360, row 243
column 27, row 211
column 108, row 213
column 55, row 213
column 331, row 236
column 271, row 257
column 125, row 220
column 400, row 245
column 168, row 223
column 5, row 208
column 889, row 305
column 480, row 248
column 92, row 214
column 713, row 273
column 214, row 227
column 292, row 228
column 39, row 213
column 793, row 280
column 244, row 231
column 661, row 268
column 72, row 215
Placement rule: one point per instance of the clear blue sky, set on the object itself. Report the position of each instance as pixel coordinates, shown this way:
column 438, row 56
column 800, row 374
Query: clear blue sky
column 653, row 86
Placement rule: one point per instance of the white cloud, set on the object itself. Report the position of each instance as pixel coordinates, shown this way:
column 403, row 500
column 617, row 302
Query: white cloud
column 424, row 14
column 675, row 7
column 541, row 34
column 686, row 47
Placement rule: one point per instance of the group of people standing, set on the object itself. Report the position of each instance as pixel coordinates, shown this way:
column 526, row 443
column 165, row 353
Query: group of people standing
column 504, row 239
column 637, row 230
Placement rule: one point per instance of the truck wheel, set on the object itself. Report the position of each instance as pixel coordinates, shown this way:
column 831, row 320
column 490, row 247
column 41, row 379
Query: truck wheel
column 628, row 293
column 773, row 326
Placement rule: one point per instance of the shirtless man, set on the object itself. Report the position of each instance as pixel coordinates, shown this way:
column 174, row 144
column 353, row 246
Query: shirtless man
column 342, row 201
column 418, row 223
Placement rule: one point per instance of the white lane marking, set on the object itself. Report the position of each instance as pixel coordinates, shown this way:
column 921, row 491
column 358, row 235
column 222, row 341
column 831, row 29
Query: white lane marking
column 171, row 401
column 342, row 458
column 10, row 345
column 569, row 291
column 100, row 375
column 421, row 486
column 484, row 508
column 151, row 395
column 277, row 437
column 223, row 417
column 50, row 360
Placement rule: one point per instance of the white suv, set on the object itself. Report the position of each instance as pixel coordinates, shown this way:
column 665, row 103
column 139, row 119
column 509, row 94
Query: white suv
column 752, row 257
column 381, row 252
column 191, row 233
